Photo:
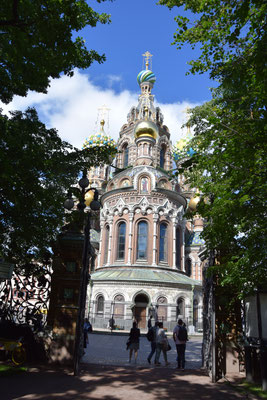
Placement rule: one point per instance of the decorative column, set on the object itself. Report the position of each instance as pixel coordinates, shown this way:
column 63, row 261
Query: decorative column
column 130, row 246
column 155, row 220
column 173, row 243
column 110, row 222
column 100, row 243
column 183, row 224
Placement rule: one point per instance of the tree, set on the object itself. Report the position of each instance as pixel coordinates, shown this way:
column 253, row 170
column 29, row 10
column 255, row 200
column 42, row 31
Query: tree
column 230, row 142
column 37, row 42
column 36, row 170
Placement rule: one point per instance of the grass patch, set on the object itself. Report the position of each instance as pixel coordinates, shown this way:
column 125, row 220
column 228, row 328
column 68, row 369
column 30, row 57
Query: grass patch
column 7, row 370
column 254, row 389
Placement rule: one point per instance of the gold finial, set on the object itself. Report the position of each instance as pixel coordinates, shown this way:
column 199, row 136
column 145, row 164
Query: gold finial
column 102, row 123
column 146, row 112
column 148, row 59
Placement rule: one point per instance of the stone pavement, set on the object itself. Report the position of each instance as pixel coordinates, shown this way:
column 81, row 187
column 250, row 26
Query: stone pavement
column 115, row 383
column 110, row 349
column 106, row 375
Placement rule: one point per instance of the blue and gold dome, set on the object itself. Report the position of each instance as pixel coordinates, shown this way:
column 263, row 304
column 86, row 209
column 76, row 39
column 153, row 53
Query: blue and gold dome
column 180, row 150
column 146, row 76
column 99, row 139
column 195, row 239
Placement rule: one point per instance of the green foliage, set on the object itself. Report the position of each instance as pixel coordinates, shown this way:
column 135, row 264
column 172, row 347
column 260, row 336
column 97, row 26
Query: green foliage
column 37, row 42
column 36, row 170
column 229, row 166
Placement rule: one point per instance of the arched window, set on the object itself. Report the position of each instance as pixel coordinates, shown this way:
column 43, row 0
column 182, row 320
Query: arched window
column 118, row 306
column 100, row 305
column 121, row 241
column 188, row 266
column 144, row 185
column 163, row 242
column 106, row 244
column 142, row 230
column 180, row 310
column 162, row 309
column 162, row 156
column 178, row 248
column 125, row 156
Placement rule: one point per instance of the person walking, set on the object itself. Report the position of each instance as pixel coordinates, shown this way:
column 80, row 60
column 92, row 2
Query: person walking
column 134, row 341
column 151, row 336
column 161, row 344
column 180, row 338
column 149, row 322
column 87, row 327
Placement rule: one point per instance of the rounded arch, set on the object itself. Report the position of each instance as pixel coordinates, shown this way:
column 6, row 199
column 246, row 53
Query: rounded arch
column 100, row 304
column 106, row 242
column 163, row 241
column 118, row 306
column 125, row 179
column 141, row 293
column 142, row 232
column 144, row 183
column 120, row 234
column 161, row 308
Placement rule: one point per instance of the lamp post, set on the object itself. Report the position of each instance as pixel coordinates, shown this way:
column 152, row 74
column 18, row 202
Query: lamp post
column 85, row 199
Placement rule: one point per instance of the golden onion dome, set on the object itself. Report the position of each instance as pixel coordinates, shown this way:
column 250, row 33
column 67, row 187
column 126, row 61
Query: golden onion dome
column 89, row 197
column 192, row 205
column 146, row 128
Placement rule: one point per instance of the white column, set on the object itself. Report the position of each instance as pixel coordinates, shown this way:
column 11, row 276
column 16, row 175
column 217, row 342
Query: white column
column 100, row 243
column 155, row 220
column 173, row 243
column 130, row 246
column 110, row 240
column 183, row 246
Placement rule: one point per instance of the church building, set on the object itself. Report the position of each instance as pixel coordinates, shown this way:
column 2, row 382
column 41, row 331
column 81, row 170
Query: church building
column 147, row 259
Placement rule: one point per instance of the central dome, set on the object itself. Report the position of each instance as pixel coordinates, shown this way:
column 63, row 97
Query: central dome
column 146, row 128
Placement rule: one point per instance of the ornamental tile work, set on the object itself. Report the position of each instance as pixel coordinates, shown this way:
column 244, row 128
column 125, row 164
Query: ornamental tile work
column 147, row 261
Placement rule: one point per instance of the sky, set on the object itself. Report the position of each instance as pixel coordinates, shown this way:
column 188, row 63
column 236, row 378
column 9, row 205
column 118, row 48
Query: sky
column 72, row 104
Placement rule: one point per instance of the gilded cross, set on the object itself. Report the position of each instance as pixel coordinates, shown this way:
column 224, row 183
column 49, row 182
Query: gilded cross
column 148, row 59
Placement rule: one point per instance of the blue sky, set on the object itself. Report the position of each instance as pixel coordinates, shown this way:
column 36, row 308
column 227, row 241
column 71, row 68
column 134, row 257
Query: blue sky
column 72, row 104
column 137, row 26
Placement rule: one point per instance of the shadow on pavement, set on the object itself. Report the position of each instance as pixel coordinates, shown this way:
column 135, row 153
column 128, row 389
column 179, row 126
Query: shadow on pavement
column 114, row 383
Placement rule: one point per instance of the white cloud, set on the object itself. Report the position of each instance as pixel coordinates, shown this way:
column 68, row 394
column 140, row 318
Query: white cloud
column 71, row 106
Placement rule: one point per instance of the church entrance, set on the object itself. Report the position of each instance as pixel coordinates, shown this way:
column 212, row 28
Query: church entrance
column 141, row 302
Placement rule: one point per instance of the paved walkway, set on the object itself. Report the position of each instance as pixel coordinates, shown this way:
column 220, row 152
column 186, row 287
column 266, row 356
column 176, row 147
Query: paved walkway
column 115, row 383
column 105, row 375
column 110, row 349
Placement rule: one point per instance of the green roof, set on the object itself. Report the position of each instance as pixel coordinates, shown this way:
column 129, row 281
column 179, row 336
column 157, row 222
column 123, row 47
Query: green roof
column 143, row 274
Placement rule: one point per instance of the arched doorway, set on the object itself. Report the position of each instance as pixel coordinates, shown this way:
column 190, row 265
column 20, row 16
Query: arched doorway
column 141, row 302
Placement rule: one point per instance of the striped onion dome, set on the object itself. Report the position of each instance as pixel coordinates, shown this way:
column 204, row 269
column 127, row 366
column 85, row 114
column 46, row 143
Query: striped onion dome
column 146, row 76
column 99, row 139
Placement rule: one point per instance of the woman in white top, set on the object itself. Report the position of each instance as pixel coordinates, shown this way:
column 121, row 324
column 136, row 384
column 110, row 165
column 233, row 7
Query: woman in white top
column 161, row 344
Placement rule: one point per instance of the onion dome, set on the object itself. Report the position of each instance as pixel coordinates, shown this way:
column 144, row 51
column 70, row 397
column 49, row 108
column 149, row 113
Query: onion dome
column 195, row 239
column 146, row 128
column 179, row 150
column 100, row 139
column 193, row 202
column 146, row 76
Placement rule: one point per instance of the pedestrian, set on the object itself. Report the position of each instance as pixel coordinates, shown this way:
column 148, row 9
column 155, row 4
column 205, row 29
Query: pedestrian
column 111, row 323
column 87, row 327
column 161, row 344
column 180, row 338
column 151, row 336
column 149, row 322
column 134, row 341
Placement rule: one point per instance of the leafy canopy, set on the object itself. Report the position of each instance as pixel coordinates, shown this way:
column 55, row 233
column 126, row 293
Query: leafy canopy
column 37, row 43
column 229, row 165
column 36, row 170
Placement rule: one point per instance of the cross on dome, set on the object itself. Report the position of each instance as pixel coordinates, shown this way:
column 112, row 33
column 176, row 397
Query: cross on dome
column 148, row 59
